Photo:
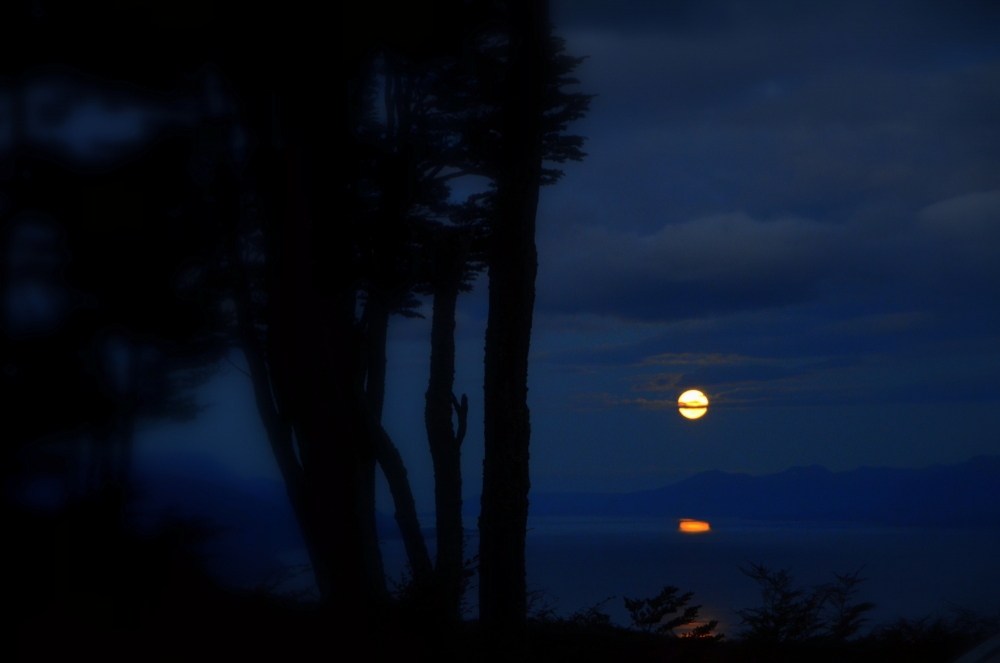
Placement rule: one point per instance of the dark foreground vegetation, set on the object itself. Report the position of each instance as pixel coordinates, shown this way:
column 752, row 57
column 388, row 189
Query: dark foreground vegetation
column 90, row 585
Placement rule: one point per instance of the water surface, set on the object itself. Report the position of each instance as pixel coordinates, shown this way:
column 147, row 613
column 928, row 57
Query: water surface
column 911, row 571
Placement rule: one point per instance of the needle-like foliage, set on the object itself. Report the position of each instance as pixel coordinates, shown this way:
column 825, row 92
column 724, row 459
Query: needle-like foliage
column 651, row 614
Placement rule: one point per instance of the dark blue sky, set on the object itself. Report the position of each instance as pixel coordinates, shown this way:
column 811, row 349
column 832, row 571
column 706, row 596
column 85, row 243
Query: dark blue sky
column 794, row 207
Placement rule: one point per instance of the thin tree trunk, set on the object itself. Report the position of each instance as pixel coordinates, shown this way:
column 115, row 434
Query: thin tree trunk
column 279, row 432
column 513, row 266
column 277, row 426
column 445, row 446
column 385, row 451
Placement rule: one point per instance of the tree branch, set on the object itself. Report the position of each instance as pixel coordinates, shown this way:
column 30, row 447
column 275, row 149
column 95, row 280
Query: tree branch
column 238, row 368
column 399, row 485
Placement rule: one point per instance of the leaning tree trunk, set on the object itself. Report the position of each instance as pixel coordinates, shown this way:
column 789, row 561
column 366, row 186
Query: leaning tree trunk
column 305, row 383
column 513, row 264
column 445, row 445
column 314, row 352
column 385, row 451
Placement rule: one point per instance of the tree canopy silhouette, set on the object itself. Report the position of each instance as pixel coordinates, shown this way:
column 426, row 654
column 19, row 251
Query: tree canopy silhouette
column 266, row 217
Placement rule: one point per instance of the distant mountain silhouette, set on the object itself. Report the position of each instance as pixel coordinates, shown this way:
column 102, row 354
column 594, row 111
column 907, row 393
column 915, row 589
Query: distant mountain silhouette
column 964, row 495
column 259, row 523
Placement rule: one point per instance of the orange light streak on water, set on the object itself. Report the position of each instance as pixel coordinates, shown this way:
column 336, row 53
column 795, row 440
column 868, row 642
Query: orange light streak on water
column 694, row 526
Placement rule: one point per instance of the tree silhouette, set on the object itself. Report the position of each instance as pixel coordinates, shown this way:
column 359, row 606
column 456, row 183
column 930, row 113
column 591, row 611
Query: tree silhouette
column 449, row 274
column 845, row 617
column 788, row 614
column 533, row 73
column 407, row 193
column 512, row 269
column 797, row 615
column 257, row 211
column 649, row 614
column 436, row 248
column 318, row 367
column 424, row 126
column 312, row 347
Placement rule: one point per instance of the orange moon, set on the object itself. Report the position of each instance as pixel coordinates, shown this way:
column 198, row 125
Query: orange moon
column 692, row 404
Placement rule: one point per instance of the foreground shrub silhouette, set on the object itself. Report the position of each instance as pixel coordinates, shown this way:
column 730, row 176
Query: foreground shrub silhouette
column 648, row 614
column 788, row 614
column 589, row 634
column 821, row 624
column 932, row 637
column 424, row 601
column 541, row 611
column 818, row 624
column 798, row 615
column 845, row 617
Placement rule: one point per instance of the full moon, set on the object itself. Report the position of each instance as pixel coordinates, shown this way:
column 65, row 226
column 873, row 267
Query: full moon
column 692, row 404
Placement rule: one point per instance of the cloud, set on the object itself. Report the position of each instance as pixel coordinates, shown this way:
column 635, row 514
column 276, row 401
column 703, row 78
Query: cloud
column 709, row 265
column 817, row 386
column 696, row 359
column 967, row 226
column 938, row 260
column 751, row 159
column 658, row 382
column 879, row 324
column 934, row 373
column 590, row 402
column 733, row 379
column 823, row 112
column 971, row 212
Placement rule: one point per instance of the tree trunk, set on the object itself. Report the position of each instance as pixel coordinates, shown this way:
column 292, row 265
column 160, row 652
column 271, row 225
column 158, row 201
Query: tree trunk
column 513, row 265
column 385, row 451
column 378, row 329
column 445, row 447
column 315, row 352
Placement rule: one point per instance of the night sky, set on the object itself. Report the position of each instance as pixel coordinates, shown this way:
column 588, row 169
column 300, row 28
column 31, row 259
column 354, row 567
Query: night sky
column 791, row 207
column 794, row 207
